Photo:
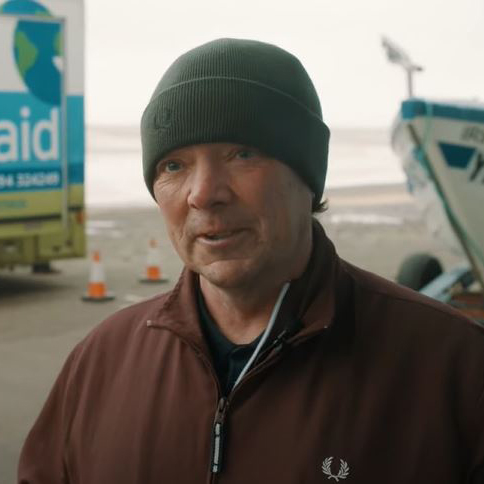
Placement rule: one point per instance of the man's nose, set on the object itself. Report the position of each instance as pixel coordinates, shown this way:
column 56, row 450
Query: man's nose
column 210, row 185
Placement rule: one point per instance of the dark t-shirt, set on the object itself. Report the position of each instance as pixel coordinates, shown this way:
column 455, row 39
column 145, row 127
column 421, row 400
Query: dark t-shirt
column 229, row 358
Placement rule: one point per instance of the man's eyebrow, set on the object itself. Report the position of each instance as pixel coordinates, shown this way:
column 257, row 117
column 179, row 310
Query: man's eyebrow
column 172, row 154
column 224, row 151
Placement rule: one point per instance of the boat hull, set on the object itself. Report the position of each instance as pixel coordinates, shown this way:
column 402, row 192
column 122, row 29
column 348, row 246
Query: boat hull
column 441, row 147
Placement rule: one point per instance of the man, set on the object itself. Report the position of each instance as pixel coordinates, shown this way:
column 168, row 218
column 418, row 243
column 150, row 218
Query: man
column 272, row 360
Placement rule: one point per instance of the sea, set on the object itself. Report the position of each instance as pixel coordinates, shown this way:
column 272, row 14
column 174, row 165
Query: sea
column 357, row 157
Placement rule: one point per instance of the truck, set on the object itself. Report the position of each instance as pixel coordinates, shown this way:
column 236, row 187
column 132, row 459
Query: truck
column 42, row 211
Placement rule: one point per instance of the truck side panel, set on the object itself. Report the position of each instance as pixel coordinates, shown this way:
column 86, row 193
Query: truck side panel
column 41, row 133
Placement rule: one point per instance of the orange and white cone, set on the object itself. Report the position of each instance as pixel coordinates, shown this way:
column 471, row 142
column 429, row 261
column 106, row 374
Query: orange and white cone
column 153, row 265
column 96, row 288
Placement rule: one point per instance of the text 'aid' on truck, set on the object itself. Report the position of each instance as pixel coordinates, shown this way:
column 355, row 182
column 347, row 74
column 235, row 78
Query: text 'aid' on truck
column 41, row 132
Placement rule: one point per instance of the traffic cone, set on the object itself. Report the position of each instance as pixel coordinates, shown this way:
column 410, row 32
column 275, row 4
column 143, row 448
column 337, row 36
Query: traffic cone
column 153, row 267
column 96, row 288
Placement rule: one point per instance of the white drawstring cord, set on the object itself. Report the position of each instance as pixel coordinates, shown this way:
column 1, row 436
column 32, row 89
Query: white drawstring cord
column 267, row 331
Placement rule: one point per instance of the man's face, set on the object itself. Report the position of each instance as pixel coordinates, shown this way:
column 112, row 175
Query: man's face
column 234, row 215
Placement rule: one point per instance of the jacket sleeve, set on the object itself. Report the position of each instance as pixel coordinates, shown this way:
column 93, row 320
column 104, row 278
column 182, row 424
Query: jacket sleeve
column 42, row 457
column 477, row 471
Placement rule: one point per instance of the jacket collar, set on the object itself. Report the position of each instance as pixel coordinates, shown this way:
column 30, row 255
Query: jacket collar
column 310, row 306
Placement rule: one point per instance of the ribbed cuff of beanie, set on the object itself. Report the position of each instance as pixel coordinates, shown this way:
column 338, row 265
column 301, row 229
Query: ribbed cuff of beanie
column 223, row 109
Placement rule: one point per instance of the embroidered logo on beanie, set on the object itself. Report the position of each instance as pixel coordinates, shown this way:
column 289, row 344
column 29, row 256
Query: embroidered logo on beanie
column 163, row 118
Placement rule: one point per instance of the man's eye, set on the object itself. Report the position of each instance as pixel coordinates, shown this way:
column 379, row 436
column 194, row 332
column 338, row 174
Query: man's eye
column 246, row 154
column 171, row 166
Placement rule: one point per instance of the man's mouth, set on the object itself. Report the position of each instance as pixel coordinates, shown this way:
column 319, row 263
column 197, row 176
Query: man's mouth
column 220, row 238
column 219, row 235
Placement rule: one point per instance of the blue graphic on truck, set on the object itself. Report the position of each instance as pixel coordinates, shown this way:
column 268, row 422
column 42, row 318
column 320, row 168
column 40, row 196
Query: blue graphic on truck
column 31, row 125
column 37, row 48
column 29, row 143
column 42, row 209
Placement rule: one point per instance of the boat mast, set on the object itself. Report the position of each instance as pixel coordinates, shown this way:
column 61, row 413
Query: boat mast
column 398, row 56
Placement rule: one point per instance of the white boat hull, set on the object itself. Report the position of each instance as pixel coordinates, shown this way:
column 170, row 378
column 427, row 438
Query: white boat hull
column 441, row 146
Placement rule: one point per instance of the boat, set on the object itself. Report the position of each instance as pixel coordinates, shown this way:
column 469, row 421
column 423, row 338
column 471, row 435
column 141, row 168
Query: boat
column 441, row 148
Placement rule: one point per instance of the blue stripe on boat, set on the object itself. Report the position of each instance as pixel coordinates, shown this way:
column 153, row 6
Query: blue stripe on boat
column 413, row 108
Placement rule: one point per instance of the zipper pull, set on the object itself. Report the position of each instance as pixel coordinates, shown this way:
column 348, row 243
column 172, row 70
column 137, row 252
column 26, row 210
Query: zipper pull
column 218, row 436
column 276, row 345
column 280, row 341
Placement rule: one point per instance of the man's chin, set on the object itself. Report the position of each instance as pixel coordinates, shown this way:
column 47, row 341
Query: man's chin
column 228, row 274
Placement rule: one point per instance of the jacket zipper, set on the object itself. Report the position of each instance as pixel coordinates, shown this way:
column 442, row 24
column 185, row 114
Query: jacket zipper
column 217, row 441
column 218, row 422
column 218, row 436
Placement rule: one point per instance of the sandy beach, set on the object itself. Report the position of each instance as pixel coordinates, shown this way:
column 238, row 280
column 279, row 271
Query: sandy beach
column 42, row 316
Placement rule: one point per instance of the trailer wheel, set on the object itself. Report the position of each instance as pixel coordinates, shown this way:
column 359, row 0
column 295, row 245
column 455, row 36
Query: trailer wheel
column 417, row 270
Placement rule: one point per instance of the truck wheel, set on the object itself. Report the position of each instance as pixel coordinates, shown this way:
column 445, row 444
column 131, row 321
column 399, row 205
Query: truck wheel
column 43, row 268
column 417, row 270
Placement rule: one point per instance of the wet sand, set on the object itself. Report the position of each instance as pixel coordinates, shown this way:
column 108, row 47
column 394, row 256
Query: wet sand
column 42, row 316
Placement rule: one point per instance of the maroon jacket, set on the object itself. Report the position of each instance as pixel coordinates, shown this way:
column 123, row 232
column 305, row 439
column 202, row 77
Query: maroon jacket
column 379, row 385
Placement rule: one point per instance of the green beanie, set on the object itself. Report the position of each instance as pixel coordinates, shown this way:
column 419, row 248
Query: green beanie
column 238, row 91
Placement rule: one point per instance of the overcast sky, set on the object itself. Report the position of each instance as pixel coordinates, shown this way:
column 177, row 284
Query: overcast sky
column 130, row 44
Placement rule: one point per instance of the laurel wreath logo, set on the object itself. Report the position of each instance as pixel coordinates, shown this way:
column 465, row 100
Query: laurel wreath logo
column 344, row 469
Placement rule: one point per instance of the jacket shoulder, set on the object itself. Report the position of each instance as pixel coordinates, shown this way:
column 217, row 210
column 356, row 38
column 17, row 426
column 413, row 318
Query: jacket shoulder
column 116, row 328
column 420, row 343
column 406, row 306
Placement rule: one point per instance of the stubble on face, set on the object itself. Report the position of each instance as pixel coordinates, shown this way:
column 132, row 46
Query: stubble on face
column 265, row 205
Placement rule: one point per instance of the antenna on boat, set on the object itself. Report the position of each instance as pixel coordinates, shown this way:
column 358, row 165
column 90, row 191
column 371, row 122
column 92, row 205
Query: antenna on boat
column 397, row 55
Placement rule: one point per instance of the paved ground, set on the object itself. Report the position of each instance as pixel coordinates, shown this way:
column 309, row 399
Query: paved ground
column 42, row 316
